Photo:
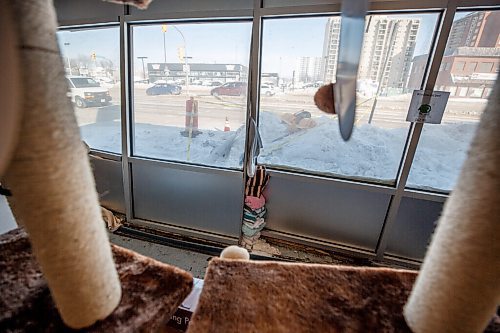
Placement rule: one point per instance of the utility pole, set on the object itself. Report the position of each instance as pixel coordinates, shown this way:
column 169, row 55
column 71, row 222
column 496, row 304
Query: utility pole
column 164, row 30
column 143, row 68
column 67, row 56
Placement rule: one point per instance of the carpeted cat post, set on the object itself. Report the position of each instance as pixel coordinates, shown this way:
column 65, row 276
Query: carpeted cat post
column 53, row 188
column 458, row 288
column 78, row 279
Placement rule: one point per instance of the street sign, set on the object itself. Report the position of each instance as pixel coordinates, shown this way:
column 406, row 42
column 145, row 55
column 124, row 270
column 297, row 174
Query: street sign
column 430, row 112
column 186, row 68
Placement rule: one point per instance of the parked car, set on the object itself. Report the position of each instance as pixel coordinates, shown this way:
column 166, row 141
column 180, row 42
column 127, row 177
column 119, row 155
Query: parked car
column 85, row 91
column 310, row 85
column 163, row 89
column 267, row 89
column 105, row 81
column 212, row 83
column 230, row 89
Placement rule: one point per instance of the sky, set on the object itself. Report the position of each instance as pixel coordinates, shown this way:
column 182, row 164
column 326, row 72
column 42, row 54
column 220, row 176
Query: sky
column 284, row 40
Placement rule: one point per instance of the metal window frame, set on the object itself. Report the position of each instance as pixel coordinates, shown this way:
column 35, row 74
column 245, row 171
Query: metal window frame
column 447, row 8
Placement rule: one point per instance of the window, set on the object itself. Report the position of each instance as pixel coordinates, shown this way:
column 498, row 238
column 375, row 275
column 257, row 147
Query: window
column 476, row 92
column 459, row 66
column 297, row 136
column 92, row 63
column 485, row 67
column 198, row 121
column 471, row 66
column 442, row 148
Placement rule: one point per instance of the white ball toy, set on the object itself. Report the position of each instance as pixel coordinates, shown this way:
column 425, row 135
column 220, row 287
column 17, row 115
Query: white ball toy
column 235, row 252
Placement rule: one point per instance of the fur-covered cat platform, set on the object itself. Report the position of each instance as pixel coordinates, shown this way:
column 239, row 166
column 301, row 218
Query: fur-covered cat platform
column 276, row 297
column 152, row 291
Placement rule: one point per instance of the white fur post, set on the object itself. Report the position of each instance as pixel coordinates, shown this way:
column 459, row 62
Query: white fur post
column 458, row 288
column 51, row 180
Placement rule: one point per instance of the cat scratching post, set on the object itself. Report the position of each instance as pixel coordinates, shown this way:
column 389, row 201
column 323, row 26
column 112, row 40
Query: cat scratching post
column 458, row 288
column 51, row 180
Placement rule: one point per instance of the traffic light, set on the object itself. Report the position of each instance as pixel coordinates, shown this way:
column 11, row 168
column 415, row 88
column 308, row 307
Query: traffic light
column 181, row 53
column 164, row 28
column 93, row 56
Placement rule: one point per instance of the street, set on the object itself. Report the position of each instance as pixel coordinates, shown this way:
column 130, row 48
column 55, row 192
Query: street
column 170, row 110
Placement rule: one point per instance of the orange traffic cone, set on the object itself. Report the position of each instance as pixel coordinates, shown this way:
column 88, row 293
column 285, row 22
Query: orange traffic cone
column 226, row 126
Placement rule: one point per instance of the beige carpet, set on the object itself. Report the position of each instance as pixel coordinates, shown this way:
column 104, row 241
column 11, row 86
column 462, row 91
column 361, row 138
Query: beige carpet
column 152, row 291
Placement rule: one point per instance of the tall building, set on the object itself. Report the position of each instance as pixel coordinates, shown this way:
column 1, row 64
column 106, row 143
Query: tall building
column 388, row 47
column 472, row 57
column 330, row 48
column 477, row 29
column 309, row 69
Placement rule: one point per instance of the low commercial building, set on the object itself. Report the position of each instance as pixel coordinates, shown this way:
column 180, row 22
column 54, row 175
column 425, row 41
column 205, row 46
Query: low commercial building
column 197, row 72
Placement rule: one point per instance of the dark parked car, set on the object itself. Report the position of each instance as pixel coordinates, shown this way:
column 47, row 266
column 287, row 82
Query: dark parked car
column 164, row 89
column 230, row 89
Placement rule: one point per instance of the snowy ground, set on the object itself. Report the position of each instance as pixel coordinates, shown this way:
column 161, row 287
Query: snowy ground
column 373, row 153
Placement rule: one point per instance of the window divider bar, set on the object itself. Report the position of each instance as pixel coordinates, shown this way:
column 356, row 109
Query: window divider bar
column 416, row 131
column 147, row 16
column 125, row 116
column 253, row 81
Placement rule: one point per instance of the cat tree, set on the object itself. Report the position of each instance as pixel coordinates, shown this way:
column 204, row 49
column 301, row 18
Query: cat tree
column 54, row 198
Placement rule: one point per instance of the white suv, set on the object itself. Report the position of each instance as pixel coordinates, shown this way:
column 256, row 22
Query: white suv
column 267, row 89
column 85, row 91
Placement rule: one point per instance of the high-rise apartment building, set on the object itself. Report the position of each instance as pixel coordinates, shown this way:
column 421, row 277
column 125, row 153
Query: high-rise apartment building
column 477, row 29
column 471, row 61
column 388, row 47
column 330, row 48
column 309, row 69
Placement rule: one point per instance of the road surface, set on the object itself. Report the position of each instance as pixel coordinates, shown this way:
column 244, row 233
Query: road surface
column 170, row 110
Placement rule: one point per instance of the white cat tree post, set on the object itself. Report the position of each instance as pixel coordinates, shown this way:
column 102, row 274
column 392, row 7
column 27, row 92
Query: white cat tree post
column 458, row 288
column 49, row 174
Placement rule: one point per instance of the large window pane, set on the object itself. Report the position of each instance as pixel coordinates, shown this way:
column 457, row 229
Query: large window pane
column 92, row 61
column 300, row 54
column 190, row 92
column 470, row 69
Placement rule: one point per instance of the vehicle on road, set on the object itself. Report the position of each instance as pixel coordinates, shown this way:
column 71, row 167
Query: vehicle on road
column 267, row 89
column 230, row 89
column 85, row 91
column 311, row 85
column 163, row 89
column 212, row 83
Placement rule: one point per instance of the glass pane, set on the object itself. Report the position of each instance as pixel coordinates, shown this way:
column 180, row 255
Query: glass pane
column 472, row 59
column 190, row 92
column 300, row 54
column 92, row 61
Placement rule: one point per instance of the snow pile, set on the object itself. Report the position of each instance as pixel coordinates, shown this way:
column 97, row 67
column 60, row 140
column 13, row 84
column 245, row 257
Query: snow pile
column 217, row 148
column 372, row 154
column 441, row 151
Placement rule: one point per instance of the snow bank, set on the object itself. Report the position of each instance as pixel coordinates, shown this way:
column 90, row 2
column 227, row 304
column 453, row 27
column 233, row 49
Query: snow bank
column 372, row 154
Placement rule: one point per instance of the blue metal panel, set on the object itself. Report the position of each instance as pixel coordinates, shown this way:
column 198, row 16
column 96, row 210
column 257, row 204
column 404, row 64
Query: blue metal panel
column 326, row 210
column 109, row 183
column 414, row 226
column 87, row 10
column 195, row 5
column 190, row 197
